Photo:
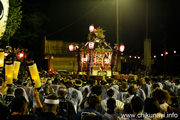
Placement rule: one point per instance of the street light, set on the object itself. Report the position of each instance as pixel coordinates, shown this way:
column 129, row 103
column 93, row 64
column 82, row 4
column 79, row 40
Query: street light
column 154, row 56
column 166, row 53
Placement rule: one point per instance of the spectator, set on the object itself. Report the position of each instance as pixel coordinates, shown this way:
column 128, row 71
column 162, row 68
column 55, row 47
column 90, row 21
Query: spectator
column 66, row 106
column 131, row 92
column 146, row 88
column 105, row 87
column 19, row 86
column 43, row 93
column 9, row 96
column 139, row 92
column 19, row 92
column 20, row 106
column 151, row 107
column 85, row 88
column 111, row 114
column 110, row 93
column 122, row 96
column 137, row 104
column 97, row 90
column 3, row 88
column 91, row 116
column 91, row 104
column 4, row 111
column 177, row 89
column 155, row 85
column 74, row 95
column 163, row 98
column 127, row 109
column 155, row 80
column 174, row 101
column 49, row 109
column 55, row 84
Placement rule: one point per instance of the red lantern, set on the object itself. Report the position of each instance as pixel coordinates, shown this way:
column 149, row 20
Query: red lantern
column 5, row 54
column 166, row 53
column 21, row 55
column 91, row 45
column 84, row 60
column 95, row 60
column 71, row 47
column 121, row 48
column 91, row 28
column 51, row 70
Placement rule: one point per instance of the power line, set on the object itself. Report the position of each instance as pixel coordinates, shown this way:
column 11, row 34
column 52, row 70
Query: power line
column 76, row 20
column 134, row 48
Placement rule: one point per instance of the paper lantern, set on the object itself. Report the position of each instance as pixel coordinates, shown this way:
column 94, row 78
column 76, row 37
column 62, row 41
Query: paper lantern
column 1, row 59
column 121, row 48
column 107, row 61
column 91, row 28
column 95, row 60
column 21, row 55
column 6, row 54
column 9, row 72
column 16, row 69
column 91, row 45
column 84, row 60
column 166, row 53
column 71, row 47
column 4, row 6
column 35, row 75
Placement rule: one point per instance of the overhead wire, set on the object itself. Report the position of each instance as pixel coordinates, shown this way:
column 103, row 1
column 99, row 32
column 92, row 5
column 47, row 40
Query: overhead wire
column 134, row 48
column 67, row 26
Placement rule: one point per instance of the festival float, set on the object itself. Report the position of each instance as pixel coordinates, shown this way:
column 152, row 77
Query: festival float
column 96, row 54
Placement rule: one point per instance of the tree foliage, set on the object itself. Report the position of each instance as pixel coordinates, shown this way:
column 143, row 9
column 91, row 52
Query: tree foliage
column 14, row 19
column 33, row 25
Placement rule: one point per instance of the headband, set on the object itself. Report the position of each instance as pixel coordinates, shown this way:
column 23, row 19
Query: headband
column 50, row 101
column 62, row 89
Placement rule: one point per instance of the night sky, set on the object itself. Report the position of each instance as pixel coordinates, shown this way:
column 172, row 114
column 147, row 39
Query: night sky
column 70, row 19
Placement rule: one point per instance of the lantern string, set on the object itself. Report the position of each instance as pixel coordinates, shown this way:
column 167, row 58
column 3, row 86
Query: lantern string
column 76, row 20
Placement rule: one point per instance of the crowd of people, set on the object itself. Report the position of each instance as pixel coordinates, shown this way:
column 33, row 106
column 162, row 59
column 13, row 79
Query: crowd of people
column 63, row 97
